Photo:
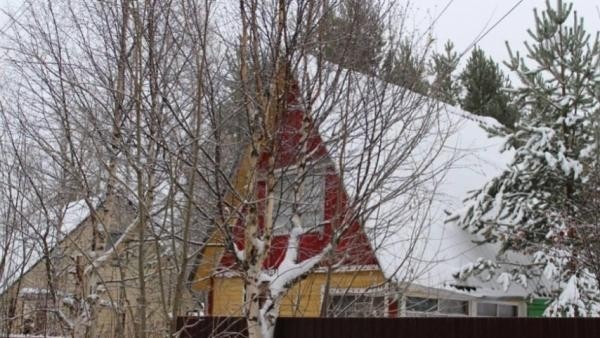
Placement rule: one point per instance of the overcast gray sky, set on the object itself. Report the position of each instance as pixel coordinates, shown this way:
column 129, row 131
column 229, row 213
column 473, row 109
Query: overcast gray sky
column 464, row 20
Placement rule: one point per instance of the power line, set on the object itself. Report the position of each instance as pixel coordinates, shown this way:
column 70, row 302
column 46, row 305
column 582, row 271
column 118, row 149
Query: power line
column 490, row 29
column 13, row 18
column 436, row 19
column 487, row 24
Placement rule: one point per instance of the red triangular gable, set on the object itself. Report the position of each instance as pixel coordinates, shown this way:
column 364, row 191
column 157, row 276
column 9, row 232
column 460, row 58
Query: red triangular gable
column 353, row 247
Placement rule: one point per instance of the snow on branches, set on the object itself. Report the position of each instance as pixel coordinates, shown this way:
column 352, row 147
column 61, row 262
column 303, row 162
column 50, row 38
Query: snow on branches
column 539, row 205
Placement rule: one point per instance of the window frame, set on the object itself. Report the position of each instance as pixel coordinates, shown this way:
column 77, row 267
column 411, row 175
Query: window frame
column 437, row 312
column 497, row 305
column 319, row 171
column 357, row 293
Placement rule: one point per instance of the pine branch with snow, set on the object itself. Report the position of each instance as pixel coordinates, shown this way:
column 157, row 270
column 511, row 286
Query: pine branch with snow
column 535, row 206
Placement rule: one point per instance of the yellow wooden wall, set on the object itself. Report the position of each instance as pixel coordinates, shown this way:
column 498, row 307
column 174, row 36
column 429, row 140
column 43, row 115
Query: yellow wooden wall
column 303, row 300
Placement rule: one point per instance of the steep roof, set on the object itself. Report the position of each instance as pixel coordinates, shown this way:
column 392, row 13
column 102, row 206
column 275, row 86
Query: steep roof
column 470, row 158
column 408, row 232
column 449, row 150
column 26, row 250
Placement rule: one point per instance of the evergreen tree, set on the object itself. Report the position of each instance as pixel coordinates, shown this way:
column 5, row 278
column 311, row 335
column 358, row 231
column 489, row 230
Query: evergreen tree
column 353, row 34
column 405, row 66
column 484, row 82
column 445, row 86
column 534, row 207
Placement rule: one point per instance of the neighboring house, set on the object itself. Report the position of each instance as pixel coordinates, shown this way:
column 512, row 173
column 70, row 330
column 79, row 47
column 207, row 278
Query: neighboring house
column 85, row 284
column 375, row 274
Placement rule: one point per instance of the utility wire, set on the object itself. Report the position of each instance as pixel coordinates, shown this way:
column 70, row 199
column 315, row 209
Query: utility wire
column 13, row 18
column 491, row 28
column 436, row 19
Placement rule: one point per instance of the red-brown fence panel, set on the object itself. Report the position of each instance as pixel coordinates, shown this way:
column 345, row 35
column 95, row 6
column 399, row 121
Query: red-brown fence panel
column 235, row 327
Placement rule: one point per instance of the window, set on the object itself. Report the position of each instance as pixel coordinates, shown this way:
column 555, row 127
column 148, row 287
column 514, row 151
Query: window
column 113, row 238
column 35, row 309
column 97, row 239
column 450, row 306
column 310, row 200
column 420, row 306
column 352, row 305
column 496, row 310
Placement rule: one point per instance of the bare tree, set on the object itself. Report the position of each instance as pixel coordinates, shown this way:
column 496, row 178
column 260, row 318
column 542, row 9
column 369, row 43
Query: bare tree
column 112, row 105
column 373, row 136
column 131, row 102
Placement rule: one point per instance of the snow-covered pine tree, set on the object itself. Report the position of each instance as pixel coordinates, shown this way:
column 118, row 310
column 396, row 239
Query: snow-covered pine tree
column 531, row 206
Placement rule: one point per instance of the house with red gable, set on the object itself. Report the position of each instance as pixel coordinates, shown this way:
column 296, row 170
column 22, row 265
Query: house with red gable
column 376, row 205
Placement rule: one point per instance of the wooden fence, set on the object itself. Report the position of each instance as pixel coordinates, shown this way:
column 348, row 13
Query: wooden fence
column 222, row 327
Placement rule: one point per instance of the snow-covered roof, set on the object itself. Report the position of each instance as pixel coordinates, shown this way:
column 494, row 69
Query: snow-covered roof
column 469, row 158
column 453, row 155
column 26, row 247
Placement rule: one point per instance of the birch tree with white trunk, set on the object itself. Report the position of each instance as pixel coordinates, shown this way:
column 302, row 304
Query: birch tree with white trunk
column 112, row 97
column 381, row 140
